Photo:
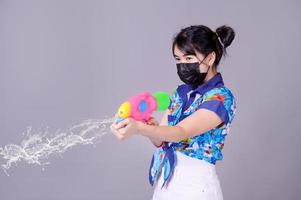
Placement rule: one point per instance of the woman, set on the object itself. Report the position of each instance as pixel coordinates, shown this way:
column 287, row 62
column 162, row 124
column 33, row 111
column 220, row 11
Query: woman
column 191, row 135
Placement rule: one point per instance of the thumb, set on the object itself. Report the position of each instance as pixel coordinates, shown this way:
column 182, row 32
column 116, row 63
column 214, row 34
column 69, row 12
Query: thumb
column 122, row 124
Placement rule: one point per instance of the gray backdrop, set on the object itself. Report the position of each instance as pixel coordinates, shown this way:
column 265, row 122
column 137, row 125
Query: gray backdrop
column 63, row 61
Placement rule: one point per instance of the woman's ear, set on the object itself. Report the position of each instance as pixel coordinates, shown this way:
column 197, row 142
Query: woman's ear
column 211, row 58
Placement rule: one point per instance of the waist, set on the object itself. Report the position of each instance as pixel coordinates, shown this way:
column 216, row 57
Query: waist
column 187, row 162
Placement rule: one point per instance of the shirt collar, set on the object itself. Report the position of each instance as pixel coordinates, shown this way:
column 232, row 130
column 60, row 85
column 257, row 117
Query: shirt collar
column 215, row 81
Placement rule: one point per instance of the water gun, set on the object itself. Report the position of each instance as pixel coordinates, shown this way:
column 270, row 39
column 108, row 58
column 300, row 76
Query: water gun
column 141, row 106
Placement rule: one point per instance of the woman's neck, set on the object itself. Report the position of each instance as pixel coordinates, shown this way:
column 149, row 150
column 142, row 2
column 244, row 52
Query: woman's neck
column 210, row 75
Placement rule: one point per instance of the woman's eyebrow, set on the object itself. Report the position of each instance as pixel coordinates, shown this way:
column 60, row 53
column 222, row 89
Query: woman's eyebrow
column 187, row 54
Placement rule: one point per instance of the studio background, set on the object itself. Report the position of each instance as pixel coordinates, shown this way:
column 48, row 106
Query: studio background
column 65, row 61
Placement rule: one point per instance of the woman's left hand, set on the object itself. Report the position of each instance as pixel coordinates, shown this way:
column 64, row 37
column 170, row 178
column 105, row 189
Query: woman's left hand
column 125, row 128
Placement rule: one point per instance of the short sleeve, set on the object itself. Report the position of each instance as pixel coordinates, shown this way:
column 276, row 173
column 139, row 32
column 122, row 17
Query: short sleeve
column 220, row 101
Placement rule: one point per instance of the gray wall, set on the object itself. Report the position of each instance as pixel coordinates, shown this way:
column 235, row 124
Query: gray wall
column 65, row 61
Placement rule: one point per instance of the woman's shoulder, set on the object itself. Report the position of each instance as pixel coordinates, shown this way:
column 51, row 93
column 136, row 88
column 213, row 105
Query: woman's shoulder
column 222, row 94
column 220, row 91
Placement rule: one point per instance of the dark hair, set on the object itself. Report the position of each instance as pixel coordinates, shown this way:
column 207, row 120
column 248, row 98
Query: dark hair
column 202, row 39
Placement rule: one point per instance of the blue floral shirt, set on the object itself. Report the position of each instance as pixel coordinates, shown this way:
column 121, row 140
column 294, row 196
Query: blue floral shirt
column 212, row 95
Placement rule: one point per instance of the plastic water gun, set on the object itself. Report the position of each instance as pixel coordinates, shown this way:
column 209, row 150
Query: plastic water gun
column 141, row 106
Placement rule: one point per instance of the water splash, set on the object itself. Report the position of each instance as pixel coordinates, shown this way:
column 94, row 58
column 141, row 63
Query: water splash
column 37, row 147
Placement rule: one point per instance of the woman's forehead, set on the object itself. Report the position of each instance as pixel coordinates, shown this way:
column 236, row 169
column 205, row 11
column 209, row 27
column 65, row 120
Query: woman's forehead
column 179, row 53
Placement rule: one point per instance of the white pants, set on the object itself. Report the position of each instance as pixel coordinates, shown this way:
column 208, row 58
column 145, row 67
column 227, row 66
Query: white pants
column 192, row 179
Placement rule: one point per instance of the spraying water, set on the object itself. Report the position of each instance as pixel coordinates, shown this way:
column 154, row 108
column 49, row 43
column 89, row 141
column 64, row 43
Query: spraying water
column 37, row 147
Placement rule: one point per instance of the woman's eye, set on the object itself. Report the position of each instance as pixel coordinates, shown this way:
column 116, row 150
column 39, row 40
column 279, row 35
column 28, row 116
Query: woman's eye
column 188, row 58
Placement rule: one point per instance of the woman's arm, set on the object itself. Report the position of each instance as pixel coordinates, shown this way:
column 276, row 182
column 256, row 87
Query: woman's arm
column 164, row 122
column 199, row 122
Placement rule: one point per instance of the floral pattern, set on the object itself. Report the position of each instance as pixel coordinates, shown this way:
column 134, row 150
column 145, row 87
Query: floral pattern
column 207, row 146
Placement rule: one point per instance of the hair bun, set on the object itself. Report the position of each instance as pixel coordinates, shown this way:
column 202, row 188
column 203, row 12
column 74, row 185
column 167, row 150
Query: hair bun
column 226, row 35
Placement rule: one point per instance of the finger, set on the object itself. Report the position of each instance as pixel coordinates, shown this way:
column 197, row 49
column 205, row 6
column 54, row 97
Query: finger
column 122, row 134
column 112, row 127
column 122, row 124
column 118, row 135
column 123, row 131
column 115, row 132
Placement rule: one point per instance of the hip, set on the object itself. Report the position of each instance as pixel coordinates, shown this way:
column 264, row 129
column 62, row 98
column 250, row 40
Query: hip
column 192, row 179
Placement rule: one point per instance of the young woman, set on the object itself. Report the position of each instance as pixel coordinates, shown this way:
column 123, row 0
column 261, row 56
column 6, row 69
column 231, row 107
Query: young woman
column 191, row 135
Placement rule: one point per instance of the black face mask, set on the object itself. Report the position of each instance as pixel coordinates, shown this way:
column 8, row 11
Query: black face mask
column 190, row 73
